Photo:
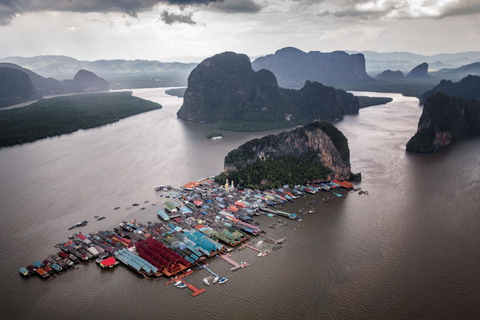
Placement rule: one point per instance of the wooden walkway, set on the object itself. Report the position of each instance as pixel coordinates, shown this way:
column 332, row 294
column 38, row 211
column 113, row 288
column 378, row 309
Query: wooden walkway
column 235, row 265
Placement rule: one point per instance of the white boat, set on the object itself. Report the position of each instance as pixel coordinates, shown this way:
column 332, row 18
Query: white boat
column 177, row 283
column 181, row 285
column 222, row 280
column 160, row 187
column 205, row 280
column 215, row 280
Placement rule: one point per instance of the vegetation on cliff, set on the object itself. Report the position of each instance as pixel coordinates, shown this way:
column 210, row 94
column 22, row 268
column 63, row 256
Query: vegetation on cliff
column 60, row 115
column 443, row 120
column 315, row 152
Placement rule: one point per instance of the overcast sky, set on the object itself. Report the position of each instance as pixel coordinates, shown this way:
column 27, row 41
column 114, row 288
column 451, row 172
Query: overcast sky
column 157, row 29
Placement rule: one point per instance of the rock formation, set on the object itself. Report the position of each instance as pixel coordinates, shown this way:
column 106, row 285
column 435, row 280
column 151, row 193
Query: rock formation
column 313, row 153
column 86, row 81
column 443, row 120
column 15, row 86
column 420, row 71
column 468, row 88
column 390, row 75
column 293, row 67
column 226, row 88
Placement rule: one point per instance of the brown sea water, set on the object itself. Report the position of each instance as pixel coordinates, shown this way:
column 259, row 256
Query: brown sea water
column 408, row 250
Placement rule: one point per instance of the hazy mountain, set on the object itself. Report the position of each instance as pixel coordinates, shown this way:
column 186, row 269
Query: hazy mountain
column 376, row 62
column 84, row 81
column 293, row 67
column 420, row 71
column 468, row 87
column 120, row 73
column 456, row 74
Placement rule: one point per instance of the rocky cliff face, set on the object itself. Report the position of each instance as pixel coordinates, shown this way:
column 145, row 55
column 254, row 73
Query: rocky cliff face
column 313, row 153
column 443, row 120
column 468, row 88
column 15, row 86
column 226, row 88
column 390, row 75
column 420, row 71
column 293, row 67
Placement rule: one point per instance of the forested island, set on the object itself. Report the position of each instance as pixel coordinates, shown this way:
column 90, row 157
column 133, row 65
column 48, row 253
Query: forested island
column 315, row 152
column 60, row 115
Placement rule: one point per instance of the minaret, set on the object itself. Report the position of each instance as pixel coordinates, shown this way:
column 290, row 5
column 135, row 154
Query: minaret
column 233, row 185
column 226, row 185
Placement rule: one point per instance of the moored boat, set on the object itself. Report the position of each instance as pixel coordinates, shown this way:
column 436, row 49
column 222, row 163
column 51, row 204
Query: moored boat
column 205, row 280
column 24, row 272
column 222, row 280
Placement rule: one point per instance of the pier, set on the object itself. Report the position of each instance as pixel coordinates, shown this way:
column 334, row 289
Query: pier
column 236, row 265
column 195, row 290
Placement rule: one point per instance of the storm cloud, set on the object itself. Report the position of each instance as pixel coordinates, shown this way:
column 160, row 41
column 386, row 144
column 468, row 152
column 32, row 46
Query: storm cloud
column 9, row 9
column 172, row 18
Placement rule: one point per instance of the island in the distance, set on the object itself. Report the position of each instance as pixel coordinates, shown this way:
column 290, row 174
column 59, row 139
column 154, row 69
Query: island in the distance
column 316, row 152
column 225, row 90
column 60, row 115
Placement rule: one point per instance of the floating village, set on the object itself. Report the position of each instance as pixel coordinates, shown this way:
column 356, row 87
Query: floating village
column 200, row 221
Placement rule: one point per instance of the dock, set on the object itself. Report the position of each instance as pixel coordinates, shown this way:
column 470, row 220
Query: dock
column 236, row 265
column 253, row 248
column 179, row 277
column 195, row 290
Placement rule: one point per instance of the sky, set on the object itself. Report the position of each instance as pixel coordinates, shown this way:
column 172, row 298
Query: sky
column 168, row 30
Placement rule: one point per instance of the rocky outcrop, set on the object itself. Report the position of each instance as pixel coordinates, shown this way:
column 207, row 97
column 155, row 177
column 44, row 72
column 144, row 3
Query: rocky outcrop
column 468, row 88
column 15, row 86
column 390, row 75
column 226, row 88
column 420, row 71
column 86, row 81
column 293, row 67
column 313, row 153
column 443, row 120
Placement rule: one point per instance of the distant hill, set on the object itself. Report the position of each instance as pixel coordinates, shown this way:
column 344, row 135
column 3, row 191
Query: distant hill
column 293, row 67
column 405, row 61
column 443, row 120
column 15, row 87
column 224, row 89
column 456, row 74
column 84, row 81
column 389, row 74
column 420, row 71
column 119, row 73
column 468, row 88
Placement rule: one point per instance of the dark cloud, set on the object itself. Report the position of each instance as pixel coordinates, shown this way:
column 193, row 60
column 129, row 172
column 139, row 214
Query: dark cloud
column 10, row 8
column 172, row 18
column 236, row 6
column 462, row 8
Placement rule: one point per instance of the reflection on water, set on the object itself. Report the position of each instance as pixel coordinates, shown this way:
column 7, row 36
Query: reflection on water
column 407, row 250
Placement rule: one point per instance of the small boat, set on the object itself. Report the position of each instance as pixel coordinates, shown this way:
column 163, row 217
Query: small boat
column 177, row 283
column 222, row 280
column 215, row 279
column 160, row 187
column 205, row 280
column 182, row 285
column 263, row 253
column 24, row 272
column 277, row 247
